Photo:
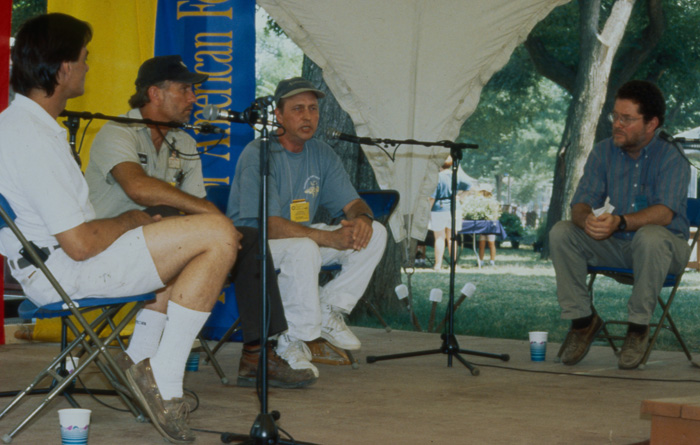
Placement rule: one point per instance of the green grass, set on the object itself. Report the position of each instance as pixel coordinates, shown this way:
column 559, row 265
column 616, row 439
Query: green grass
column 518, row 295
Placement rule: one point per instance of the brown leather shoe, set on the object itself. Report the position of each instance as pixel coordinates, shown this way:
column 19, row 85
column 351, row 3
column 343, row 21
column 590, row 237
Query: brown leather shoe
column 633, row 349
column 124, row 361
column 279, row 373
column 578, row 342
column 169, row 416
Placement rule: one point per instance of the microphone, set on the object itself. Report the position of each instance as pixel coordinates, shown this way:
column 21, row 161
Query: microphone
column 212, row 113
column 204, row 128
column 332, row 133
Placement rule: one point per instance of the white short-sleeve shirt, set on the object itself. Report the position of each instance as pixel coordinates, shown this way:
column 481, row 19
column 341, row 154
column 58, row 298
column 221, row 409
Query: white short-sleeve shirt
column 39, row 177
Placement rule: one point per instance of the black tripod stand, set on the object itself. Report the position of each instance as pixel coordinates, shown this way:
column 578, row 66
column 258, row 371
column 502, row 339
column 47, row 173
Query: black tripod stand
column 449, row 341
column 264, row 429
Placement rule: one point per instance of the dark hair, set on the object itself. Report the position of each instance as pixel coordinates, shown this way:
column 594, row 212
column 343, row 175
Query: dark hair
column 647, row 96
column 140, row 97
column 42, row 44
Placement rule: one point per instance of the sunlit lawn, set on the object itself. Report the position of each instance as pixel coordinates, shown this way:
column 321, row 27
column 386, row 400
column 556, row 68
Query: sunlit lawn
column 519, row 295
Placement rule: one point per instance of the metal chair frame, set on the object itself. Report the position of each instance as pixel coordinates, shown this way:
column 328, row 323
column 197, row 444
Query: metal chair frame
column 626, row 276
column 87, row 344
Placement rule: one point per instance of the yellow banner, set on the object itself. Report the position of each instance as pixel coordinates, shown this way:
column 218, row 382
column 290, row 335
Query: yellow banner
column 123, row 37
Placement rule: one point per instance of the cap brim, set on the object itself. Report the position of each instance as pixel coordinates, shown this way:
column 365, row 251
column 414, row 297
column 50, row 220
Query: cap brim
column 192, row 78
column 318, row 93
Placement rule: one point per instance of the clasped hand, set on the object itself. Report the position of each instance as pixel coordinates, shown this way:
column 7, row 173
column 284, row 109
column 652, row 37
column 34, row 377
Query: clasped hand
column 601, row 227
column 352, row 234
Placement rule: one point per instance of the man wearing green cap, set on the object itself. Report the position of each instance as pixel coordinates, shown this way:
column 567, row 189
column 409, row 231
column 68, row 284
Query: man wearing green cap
column 158, row 170
column 306, row 174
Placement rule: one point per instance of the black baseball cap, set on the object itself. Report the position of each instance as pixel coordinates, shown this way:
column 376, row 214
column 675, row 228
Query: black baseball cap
column 163, row 68
column 295, row 85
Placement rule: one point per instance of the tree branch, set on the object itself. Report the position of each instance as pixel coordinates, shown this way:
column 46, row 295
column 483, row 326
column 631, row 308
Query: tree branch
column 549, row 66
column 632, row 58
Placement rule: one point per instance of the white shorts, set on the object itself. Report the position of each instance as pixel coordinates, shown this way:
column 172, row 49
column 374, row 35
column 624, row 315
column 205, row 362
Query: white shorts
column 490, row 237
column 125, row 268
column 440, row 221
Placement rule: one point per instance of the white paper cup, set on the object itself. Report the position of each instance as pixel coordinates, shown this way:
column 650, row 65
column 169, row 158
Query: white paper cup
column 538, row 346
column 75, row 424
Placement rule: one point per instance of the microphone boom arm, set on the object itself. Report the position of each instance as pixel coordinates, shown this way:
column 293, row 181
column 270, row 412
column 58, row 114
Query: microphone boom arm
column 128, row 120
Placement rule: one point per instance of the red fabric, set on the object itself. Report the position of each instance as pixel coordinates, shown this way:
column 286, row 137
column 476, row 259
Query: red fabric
column 5, row 27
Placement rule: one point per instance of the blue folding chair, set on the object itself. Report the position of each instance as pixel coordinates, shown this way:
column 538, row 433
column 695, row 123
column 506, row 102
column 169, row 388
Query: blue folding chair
column 88, row 346
column 626, row 276
column 383, row 203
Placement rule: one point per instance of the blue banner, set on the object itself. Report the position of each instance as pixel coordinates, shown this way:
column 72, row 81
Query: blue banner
column 217, row 38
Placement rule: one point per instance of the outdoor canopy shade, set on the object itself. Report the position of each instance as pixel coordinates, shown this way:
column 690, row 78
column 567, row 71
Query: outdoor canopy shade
column 408, row 69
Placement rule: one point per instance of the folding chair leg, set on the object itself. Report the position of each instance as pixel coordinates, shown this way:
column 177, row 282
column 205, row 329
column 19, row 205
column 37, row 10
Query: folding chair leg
column 376, row 313
column 212, row 359
column 224, row 338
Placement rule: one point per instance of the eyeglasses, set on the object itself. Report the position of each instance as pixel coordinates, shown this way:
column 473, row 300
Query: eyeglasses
column 624, row 120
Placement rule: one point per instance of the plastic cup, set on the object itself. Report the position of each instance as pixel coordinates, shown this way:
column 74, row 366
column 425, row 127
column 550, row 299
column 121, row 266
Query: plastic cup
column 538, row 346
column 75, row 425
column 192, row 362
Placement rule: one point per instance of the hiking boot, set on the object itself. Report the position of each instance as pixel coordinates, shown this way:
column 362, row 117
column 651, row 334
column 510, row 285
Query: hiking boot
column 578, row 342
column 168, row 416
column 124, row 361
column 334, row 329
column 279, row 373
column 295, row 353
column 633, row 349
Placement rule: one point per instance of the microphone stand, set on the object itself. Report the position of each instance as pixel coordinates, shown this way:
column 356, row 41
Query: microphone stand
column 449, row 341
column 264, row 429
column 73, row 123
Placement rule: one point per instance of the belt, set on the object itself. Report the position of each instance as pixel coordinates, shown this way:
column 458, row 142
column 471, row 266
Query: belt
column 22, row 262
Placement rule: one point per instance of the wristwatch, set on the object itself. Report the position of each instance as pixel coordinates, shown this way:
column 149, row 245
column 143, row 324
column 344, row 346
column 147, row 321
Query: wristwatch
column 371, row 218
column 623, row 224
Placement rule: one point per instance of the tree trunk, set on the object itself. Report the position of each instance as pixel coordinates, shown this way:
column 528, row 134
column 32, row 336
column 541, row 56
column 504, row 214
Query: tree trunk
column 628, row 62
column 597, row 52
column 387, row 275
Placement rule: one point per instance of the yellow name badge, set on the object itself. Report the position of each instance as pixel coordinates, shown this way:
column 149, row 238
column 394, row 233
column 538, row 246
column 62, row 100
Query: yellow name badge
column 174, row 162
column 299, row 210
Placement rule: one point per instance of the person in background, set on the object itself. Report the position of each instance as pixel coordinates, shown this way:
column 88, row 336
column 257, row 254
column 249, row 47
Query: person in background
column 440, row 213
column 487, row 237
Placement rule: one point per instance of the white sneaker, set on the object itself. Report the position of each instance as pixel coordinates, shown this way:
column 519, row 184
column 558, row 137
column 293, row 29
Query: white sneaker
column 334, row 330
column 296, row 353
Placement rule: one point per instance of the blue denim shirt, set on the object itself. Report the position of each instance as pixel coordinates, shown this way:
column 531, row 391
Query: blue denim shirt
column 660, row 175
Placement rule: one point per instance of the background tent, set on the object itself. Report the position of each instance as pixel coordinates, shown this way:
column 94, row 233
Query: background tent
column 408, row 69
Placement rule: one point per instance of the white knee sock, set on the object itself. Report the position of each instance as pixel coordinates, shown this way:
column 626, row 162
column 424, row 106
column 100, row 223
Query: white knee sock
column 168, row 363
column 146, row 337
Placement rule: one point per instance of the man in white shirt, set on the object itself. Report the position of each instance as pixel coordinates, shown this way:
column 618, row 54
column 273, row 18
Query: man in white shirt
column 129, row 254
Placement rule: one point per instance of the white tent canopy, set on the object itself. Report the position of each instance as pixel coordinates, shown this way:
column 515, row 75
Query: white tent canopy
column 408, row 69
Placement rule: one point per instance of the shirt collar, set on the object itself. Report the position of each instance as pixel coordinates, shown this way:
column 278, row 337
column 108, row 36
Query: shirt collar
column 36, row 110
column 644, row 151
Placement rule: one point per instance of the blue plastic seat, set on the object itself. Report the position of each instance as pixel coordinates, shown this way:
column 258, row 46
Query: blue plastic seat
column 91, row 338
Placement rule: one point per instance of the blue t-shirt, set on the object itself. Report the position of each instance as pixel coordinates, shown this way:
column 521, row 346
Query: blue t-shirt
column 315, row 175
column 659, row 176
column 443, row 191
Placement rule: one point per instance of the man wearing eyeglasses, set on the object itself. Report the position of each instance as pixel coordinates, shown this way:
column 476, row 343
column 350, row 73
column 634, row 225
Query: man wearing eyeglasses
column 629, row 211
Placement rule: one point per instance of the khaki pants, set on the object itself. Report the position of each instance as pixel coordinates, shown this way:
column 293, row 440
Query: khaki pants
column 652, row 253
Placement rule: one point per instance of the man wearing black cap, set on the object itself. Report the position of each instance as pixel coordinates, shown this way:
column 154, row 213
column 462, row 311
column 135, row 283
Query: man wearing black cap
column 306, row 174
column 157, row 169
